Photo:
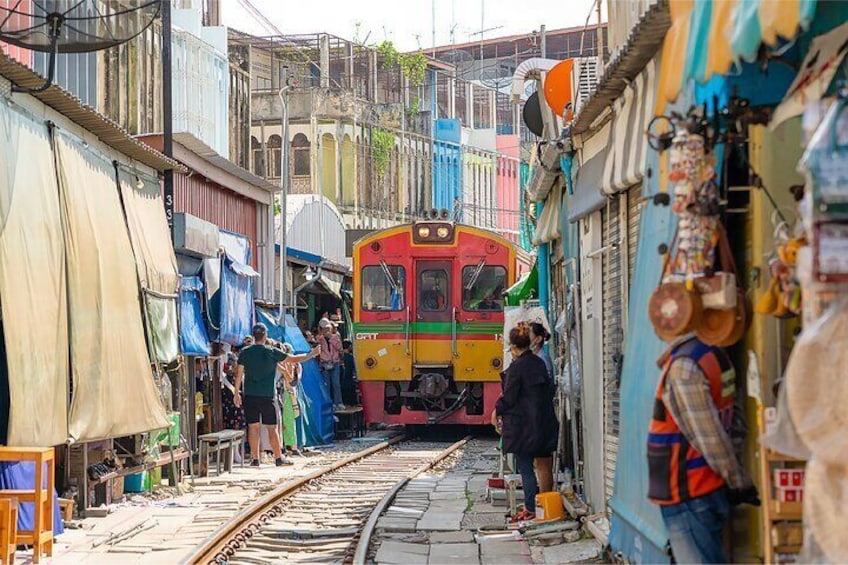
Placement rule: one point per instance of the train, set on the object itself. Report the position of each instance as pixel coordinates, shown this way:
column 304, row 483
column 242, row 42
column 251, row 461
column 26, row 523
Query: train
column 428, row 321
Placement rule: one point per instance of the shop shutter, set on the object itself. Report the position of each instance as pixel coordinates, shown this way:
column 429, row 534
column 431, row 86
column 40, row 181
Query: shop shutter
column 635, row 202
column 613, row 334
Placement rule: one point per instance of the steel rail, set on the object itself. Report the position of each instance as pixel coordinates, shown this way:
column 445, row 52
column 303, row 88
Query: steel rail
column 223, row 543
column 364, row 541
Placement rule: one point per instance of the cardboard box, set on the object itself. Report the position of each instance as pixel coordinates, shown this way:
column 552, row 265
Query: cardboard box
column 790, row 494
column 784, row 478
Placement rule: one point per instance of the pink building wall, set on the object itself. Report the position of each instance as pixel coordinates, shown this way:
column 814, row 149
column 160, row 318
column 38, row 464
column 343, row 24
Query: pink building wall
column 508, row 147
column 17, row 20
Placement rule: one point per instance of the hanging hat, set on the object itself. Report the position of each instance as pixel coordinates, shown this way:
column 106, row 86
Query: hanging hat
column 817, row 386
column 826, row 508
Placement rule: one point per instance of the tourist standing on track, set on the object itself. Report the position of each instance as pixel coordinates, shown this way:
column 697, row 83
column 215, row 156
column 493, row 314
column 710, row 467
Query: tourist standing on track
column 526, row 407
column 331, row 359
column 257, row 368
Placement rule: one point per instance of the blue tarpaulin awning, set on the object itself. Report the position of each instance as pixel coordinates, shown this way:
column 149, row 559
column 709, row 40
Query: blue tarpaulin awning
column 193, row 337
column 235, row 301
column 315, row 425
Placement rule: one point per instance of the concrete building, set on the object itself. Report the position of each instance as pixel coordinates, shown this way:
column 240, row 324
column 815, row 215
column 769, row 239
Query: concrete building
column 383, row 145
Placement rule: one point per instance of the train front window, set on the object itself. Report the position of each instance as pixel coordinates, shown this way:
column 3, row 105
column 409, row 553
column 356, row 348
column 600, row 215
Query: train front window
column 433, row 296
column 383, row 288
column 482, row 287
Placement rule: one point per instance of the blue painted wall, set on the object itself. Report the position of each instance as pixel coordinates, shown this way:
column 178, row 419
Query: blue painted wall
column 447, row 165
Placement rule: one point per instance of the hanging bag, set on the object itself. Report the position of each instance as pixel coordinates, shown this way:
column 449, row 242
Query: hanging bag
column 718, row 290
column 725, row 327
column 673, row 309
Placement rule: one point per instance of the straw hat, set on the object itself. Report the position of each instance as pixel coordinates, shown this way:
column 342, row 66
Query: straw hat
column 826, row 508
column 817, row 387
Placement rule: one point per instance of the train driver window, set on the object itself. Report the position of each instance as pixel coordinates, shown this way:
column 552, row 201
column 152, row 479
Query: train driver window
column 433, row 296
column 383, row 288
column 482, row 287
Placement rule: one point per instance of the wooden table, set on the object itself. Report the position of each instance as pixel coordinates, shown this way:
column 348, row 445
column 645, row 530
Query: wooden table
column 41, row 495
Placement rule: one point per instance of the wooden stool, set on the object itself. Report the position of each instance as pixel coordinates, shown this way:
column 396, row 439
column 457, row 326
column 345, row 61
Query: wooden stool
column 224, row 441
column 8, row 529
column 41, row 535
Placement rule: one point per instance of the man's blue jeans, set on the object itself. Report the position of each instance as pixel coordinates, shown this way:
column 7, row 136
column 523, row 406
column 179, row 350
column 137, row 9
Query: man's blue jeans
column 528, row 481
column 333, row 382
column 695, row 528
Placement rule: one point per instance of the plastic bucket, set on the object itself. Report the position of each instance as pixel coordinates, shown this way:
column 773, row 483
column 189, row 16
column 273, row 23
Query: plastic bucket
column 549, row 507
column 135, row 483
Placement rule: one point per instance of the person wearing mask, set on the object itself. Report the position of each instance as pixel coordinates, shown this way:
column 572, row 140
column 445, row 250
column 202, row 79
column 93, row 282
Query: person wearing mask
column 331, row 352
column 526, row 409
column 693, row 473
column 257, row 369
column 539, row 336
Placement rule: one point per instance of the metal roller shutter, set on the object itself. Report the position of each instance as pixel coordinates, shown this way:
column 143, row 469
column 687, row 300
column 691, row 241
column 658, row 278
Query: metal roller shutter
column 634, row 216
column 613, row 334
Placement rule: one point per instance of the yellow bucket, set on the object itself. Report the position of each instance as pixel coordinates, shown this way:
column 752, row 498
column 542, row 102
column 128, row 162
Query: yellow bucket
column 549, row 507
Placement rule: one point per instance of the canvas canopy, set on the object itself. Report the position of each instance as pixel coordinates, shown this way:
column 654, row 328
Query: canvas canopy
column 113, row 389
column 32, row 283
column 155, row 261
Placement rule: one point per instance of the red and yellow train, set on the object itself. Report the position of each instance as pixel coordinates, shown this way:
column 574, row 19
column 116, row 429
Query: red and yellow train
column 428, row 322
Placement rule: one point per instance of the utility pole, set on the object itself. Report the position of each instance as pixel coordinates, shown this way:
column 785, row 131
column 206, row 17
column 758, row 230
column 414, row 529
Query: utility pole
column 433, row 5
column 542, row 41
column 284, row 192
column 167, row 112
column 600, row 43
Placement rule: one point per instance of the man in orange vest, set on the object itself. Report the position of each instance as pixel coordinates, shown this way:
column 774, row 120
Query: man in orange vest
column 693, row 472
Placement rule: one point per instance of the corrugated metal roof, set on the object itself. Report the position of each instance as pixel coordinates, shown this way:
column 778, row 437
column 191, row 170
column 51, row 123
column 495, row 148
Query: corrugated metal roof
column 209, row 155
column 306, row 215
column 644, row 42
column 108, row 131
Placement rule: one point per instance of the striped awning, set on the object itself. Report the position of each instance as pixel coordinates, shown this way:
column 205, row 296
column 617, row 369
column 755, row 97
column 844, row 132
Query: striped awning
column 547, row 228
column 547, row 172
column 587, row 196
column 708, row 37
column 627, row 149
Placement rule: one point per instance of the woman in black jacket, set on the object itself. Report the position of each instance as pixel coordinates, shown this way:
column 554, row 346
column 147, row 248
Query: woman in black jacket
column 530, row 427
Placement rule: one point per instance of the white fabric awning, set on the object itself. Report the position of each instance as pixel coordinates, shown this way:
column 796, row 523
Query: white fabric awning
column 547, row 228
column 155, row 260
column 546, row 173
column 114, row 393
column 627, row 150
column 33, row 284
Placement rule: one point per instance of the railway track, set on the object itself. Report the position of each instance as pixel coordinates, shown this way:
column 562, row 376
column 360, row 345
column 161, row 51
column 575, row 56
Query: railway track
column 320, row 518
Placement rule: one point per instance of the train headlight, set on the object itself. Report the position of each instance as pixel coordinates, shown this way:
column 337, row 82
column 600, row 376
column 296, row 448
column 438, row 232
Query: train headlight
column 443, row 233
column 424, row 232
column 370, row 362
column 496, row 363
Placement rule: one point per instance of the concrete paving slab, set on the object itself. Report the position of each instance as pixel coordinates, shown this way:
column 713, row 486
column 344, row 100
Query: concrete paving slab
column 454, row 550
column 462, row 536
column 576, row 552
column 402, row 552
column 402, row 525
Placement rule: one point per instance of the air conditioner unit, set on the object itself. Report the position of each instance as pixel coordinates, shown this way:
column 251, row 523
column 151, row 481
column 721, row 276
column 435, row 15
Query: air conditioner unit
column 195, row 237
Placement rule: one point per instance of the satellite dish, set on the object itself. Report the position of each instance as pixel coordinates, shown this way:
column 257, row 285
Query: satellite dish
column 558, row 89
column 532, row 115
column 73, row 26
column 494, row 78
column 461, row 60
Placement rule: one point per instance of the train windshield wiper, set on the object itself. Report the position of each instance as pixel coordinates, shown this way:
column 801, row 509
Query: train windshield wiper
column 475, row 275
column 388, row 275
